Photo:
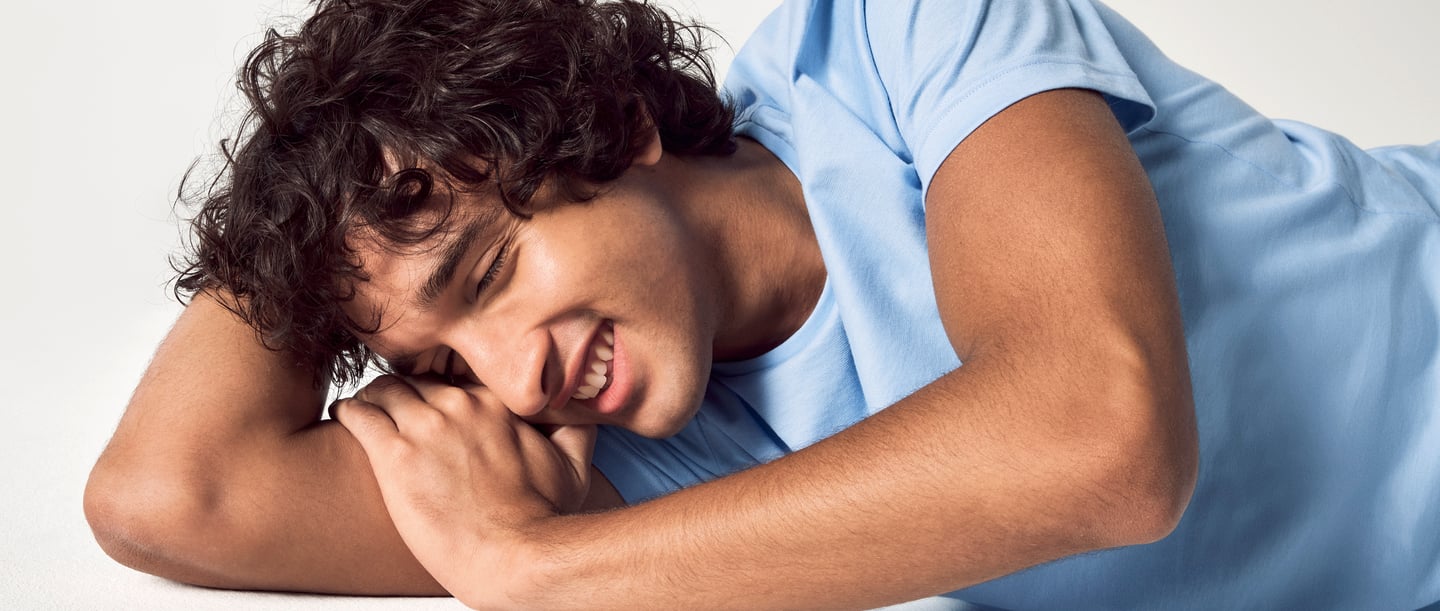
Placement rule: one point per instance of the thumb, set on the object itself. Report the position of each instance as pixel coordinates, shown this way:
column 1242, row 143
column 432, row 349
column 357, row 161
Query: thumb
column 577, row 443
column 366, row 421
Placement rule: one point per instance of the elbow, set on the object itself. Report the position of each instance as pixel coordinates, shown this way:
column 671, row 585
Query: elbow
column 1176, row 486
column 151, row 520
column 1155, row 473
column 1136, row 494
column 1148, row 450
column 1160, row 490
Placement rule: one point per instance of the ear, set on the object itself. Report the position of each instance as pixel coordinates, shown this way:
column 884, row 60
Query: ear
column 650, row 152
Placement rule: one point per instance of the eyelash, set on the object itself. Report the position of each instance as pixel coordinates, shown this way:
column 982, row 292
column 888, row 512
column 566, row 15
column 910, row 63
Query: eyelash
column 496, row 267
column 494, row 271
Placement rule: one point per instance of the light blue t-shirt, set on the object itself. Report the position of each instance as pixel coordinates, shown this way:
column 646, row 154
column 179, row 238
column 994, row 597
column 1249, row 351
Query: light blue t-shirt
column 1308, row 273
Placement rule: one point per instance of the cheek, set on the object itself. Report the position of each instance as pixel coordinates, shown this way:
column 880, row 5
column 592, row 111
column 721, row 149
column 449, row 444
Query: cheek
column 632, row 263
column 670, row 287
column 625, row 257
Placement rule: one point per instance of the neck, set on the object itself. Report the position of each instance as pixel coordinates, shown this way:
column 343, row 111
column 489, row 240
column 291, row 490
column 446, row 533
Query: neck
column 750, row 216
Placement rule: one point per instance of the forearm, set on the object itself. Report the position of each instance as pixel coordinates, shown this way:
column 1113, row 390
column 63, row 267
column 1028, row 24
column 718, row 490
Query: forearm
column 960, row 483
column 221, row 474
column 1070, row 427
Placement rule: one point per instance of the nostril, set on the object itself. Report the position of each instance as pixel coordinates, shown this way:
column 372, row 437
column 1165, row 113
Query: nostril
column 552, row 375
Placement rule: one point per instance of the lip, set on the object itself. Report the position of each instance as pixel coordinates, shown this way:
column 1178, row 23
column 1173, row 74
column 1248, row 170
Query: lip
column 615, row 394
column 575, row 376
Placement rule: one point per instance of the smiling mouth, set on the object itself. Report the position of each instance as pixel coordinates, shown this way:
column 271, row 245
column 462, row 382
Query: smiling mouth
column 598, row 370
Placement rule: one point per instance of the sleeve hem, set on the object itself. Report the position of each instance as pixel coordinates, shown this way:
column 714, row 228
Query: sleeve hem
column 969, row 109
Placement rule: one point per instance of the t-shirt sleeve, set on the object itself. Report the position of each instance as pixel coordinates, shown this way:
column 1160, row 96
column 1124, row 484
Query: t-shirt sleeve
column 949, row 65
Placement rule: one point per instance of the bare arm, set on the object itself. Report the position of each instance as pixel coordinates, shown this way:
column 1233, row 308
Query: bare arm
column 1070, row 428
column 222, row 474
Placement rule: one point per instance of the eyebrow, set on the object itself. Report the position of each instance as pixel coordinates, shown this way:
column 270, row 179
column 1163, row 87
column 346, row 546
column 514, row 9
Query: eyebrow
column 452, row 255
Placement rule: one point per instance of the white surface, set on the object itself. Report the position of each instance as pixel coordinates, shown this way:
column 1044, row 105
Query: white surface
column 106, row 103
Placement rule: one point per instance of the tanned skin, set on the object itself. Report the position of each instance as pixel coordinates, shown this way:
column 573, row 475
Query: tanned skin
column 1070, row 428
column 1074, row 406
column 222, row 474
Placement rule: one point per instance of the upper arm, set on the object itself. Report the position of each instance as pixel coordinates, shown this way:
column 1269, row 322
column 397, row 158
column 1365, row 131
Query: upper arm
column 1049, row 256
column 210, row 384
column 1043, row 228
column 1046, row 246
column 221, row 474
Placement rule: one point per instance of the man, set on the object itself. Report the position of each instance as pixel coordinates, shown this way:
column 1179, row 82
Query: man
column 534, row 214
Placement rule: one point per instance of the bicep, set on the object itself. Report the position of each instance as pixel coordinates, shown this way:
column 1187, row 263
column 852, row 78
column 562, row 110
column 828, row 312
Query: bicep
column 1051, row 268
column 221, row 474
column 1045, row 236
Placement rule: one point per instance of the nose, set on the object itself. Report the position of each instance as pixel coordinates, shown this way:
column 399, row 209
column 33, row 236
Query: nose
column 517, row 367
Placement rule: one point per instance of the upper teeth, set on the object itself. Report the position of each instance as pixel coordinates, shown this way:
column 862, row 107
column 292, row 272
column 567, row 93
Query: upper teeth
column 596, row 372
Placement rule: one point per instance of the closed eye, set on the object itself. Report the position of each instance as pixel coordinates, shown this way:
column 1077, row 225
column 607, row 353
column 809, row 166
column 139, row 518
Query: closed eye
column 491, row 274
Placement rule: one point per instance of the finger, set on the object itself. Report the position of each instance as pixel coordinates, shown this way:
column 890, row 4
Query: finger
column 394, row 395
column 383, row 387
column 443, row 395
column 576, row 443
column 369, row 423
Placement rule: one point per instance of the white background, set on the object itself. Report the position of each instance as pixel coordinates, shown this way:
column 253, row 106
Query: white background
column 106, row 103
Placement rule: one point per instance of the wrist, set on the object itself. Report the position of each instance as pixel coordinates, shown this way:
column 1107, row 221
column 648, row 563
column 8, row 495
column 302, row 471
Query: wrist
column 506, row 567
column 544, row 567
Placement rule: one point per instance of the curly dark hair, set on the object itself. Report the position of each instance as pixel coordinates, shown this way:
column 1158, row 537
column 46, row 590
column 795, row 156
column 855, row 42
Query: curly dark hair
column 375, row 109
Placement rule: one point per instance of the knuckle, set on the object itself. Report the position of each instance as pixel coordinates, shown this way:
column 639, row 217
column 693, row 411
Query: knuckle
column 480, row 395
column 453, row 397
column 489, row 402
column 428, row 422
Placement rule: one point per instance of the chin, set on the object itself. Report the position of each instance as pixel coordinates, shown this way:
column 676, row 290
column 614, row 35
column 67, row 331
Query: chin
column 666, row 416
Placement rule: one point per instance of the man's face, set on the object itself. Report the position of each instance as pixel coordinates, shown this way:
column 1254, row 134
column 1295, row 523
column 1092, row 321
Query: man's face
column 614, row 288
